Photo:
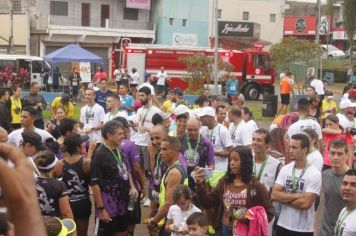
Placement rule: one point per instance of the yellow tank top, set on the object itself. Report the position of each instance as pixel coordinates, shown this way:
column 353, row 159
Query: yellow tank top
column 16, row 108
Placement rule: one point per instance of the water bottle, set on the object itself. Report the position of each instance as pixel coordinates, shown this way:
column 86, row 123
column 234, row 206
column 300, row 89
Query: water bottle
column 132, row 202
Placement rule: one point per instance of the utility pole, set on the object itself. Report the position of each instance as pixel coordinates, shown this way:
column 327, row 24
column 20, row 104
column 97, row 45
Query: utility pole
column 216, row 53
column 11, row 48
column 317, row 39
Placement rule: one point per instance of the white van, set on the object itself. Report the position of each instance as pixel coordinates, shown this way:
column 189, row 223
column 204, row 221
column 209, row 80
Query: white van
column 17, row 63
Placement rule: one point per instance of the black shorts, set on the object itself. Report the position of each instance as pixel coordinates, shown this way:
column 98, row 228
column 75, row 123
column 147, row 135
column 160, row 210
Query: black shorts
column 75, row 90
column 117, row 224
column 285, row 99
column 135, row 215
column 160, row 88
column 81, row 209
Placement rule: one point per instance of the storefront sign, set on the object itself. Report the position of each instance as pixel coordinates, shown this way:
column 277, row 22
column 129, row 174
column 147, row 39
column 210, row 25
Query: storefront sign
column 139, row 4
column 185, row 39
column 85, row 74
column 304, row 25
column 231, row 28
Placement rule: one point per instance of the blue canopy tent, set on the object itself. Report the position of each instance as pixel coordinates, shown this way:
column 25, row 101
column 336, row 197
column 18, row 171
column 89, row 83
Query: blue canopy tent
column 72, row 53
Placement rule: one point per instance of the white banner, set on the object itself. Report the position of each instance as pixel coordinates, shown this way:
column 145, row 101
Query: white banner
column 185, row 39
column 85, row 74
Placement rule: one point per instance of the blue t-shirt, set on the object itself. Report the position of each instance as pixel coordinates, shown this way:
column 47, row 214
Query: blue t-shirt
column 232, row 87
column 127, row 102
column 101, row 97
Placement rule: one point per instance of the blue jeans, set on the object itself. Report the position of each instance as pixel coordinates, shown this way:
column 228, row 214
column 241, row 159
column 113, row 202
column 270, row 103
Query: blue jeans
column 225, row 230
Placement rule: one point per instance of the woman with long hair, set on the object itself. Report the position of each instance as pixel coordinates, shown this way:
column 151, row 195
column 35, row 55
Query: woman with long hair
column 52, row 193
column 314, row 110
column 53, row 126
column 74, row 170
column 237, row 191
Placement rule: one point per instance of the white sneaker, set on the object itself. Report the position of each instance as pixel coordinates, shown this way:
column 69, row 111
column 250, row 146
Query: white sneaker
column 147, row 203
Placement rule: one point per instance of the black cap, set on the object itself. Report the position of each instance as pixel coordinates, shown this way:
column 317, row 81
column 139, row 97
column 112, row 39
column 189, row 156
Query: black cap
column 34, row 139
column 178, row 91
column 65, row 98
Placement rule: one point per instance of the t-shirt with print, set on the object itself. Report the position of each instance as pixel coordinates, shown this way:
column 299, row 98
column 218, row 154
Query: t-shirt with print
column 110, row 115
column 268, row 174
column 332, row 201
column 144, row 119
column 234, row 197
column 162, row 76
column 15, row 137
column 316, row 159
column 179, row 217
column 101, row 97
column 135, row 77
column 49, row 191
column 232, row 87
column 292, row 218
column 112, row 178
column 347, row 226
column 344, row 121
column 129, row 150
column 238, row 134
column 221, row 139
column 201, row 155
column 127, row 102
column 302, row 124
column 92, row 116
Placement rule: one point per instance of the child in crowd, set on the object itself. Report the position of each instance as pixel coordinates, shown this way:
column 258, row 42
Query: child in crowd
column 197, row 224
column 178, row 213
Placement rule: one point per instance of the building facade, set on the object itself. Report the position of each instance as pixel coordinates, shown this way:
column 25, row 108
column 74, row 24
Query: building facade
column 181, row 22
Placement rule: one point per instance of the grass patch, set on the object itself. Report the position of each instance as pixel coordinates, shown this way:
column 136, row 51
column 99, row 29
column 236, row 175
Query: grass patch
column 48, row 116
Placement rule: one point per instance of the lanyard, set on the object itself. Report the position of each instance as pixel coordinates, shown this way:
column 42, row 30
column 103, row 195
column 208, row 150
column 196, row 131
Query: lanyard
column 210, row 134
column 232, row 134
column 294, row 179
column 343, row 215
column 190, row 150
column 88, row 113
column 116, row 155
column 144, row 117
column 158, row 159
column 261, row 169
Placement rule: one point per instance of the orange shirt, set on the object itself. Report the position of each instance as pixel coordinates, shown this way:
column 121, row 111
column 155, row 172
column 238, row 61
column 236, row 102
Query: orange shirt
column 285, row 86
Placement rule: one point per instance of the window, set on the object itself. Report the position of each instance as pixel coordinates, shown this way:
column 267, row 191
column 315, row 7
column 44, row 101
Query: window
column 184, row 22
column 261, row 61
column 85, row 14
column 171, row 20
column 16, row 5
column 105, row 14
column 245, row 15
column 59, row 8
column 219, row 13
column 272, row 18
column 130, row 14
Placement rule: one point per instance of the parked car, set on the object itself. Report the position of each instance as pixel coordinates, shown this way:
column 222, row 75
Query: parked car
column 332, row 52
column 347, row 52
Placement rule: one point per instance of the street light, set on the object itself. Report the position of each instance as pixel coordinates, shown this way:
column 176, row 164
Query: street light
column 317, row 39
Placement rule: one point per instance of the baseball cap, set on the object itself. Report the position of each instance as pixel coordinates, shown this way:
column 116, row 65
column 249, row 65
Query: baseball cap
column 346, row 103
column 207, row 111
column 178, row 91
column 181, row 110
column 31, row 137
column 65, row 98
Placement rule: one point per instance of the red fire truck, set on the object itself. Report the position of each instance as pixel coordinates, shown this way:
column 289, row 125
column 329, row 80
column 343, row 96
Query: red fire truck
column 250, row 66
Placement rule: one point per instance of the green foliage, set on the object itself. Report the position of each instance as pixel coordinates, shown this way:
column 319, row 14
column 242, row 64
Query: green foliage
column 292, row 50
column 200, row 68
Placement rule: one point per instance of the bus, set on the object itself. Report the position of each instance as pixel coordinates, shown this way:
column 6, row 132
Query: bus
column 21, row 70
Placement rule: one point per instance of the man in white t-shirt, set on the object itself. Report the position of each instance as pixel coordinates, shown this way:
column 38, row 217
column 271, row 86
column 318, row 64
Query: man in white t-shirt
column 144, row 123
column 304, row 121
column 346, row 223
column 92, row 117
column 346, row 115
column 319, row 86
column 113, row 104
column 27, row 122
column 296, row 187
column 238, row 129
column 218, row 135
column 161, row 82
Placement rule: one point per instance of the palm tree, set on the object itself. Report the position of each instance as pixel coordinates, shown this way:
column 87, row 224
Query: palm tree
column 349, row 19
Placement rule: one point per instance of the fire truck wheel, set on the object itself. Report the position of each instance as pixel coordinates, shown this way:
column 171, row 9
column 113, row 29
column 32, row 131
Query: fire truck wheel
column 252, row 92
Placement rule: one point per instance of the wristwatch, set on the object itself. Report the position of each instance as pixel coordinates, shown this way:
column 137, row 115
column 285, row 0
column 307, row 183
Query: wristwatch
column 100, row 209
column 153, row 223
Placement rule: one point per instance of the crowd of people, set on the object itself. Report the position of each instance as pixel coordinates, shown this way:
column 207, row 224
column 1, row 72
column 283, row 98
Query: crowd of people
column 202, row 169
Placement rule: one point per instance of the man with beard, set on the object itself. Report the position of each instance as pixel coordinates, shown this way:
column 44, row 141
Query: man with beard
column 157, row 166
column 37, row 101
column 346, row 115
column 143, row 118
column 197, row 150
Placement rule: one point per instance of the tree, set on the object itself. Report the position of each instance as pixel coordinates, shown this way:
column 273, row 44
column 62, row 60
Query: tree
column 200, row 68
column 292, row 50
column 349, row 19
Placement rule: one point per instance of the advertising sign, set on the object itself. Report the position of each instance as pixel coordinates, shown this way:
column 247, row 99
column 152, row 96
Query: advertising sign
column 185, row 39
column 236, row 28
column 85, row 74
column 139, row 4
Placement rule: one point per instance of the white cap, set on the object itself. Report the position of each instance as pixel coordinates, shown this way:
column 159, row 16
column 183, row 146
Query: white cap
column 346, row 103
column 207, row 111
column 181, row 109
